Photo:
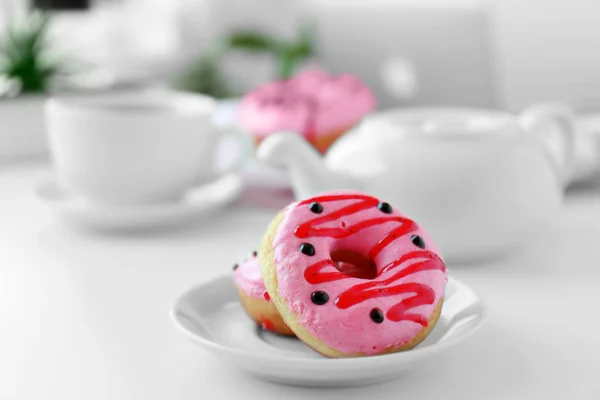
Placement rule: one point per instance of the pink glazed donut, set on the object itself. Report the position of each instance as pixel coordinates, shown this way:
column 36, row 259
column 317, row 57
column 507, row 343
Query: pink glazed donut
column 317, row 105
column 255, row 299
column 389, row 302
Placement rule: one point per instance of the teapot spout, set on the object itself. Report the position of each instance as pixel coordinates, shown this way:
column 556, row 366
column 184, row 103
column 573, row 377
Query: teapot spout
column 307, row 170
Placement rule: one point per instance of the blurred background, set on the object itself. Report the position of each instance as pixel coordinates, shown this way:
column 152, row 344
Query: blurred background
column 502, row 54
column 89, row 311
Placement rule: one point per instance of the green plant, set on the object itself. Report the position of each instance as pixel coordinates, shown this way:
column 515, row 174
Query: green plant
column 206, row 76
column 23, row 54
column 288, row 54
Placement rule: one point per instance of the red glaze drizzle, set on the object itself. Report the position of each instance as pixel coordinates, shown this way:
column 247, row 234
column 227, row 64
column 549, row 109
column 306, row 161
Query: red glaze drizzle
column 424, row 260
column 313, row 273
column 407, row 226
column 267, row 324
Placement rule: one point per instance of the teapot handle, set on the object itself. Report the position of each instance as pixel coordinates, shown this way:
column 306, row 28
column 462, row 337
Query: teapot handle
column 554, row 125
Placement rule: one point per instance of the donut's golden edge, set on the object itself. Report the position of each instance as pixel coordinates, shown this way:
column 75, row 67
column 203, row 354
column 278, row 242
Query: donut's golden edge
column 261, row 310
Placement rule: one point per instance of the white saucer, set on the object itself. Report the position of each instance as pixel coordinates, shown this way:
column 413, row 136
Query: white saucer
column 210, row 315
column 198, row 202
column 263, row 176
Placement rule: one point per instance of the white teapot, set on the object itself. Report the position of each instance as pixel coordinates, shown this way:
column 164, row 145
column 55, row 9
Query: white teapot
column 479, row 181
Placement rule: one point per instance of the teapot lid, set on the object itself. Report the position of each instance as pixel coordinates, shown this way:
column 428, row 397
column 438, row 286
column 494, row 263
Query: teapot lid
column 443, row 123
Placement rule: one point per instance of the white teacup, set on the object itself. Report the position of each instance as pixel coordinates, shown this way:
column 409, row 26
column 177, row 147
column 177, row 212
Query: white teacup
column 136, row 147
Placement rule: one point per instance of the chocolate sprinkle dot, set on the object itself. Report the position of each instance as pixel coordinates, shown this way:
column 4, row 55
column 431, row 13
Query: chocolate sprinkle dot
column 418, row 241
column 308, row 249
column 319, row 298
column 385, row 207
column 376, row 315
column 236, row 266
column 254, row 253
column 317, row 208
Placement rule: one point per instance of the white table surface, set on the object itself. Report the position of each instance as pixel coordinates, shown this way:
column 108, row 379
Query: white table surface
column 86, row 317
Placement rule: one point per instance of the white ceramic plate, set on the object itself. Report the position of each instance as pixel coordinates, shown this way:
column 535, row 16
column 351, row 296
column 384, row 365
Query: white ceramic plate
column 198, row 202
column 211, row 316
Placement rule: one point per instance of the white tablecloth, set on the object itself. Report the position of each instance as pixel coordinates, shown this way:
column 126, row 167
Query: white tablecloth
column 86, row 317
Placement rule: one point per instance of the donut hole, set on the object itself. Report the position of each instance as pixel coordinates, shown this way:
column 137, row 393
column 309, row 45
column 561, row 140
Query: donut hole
column 354, row 264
